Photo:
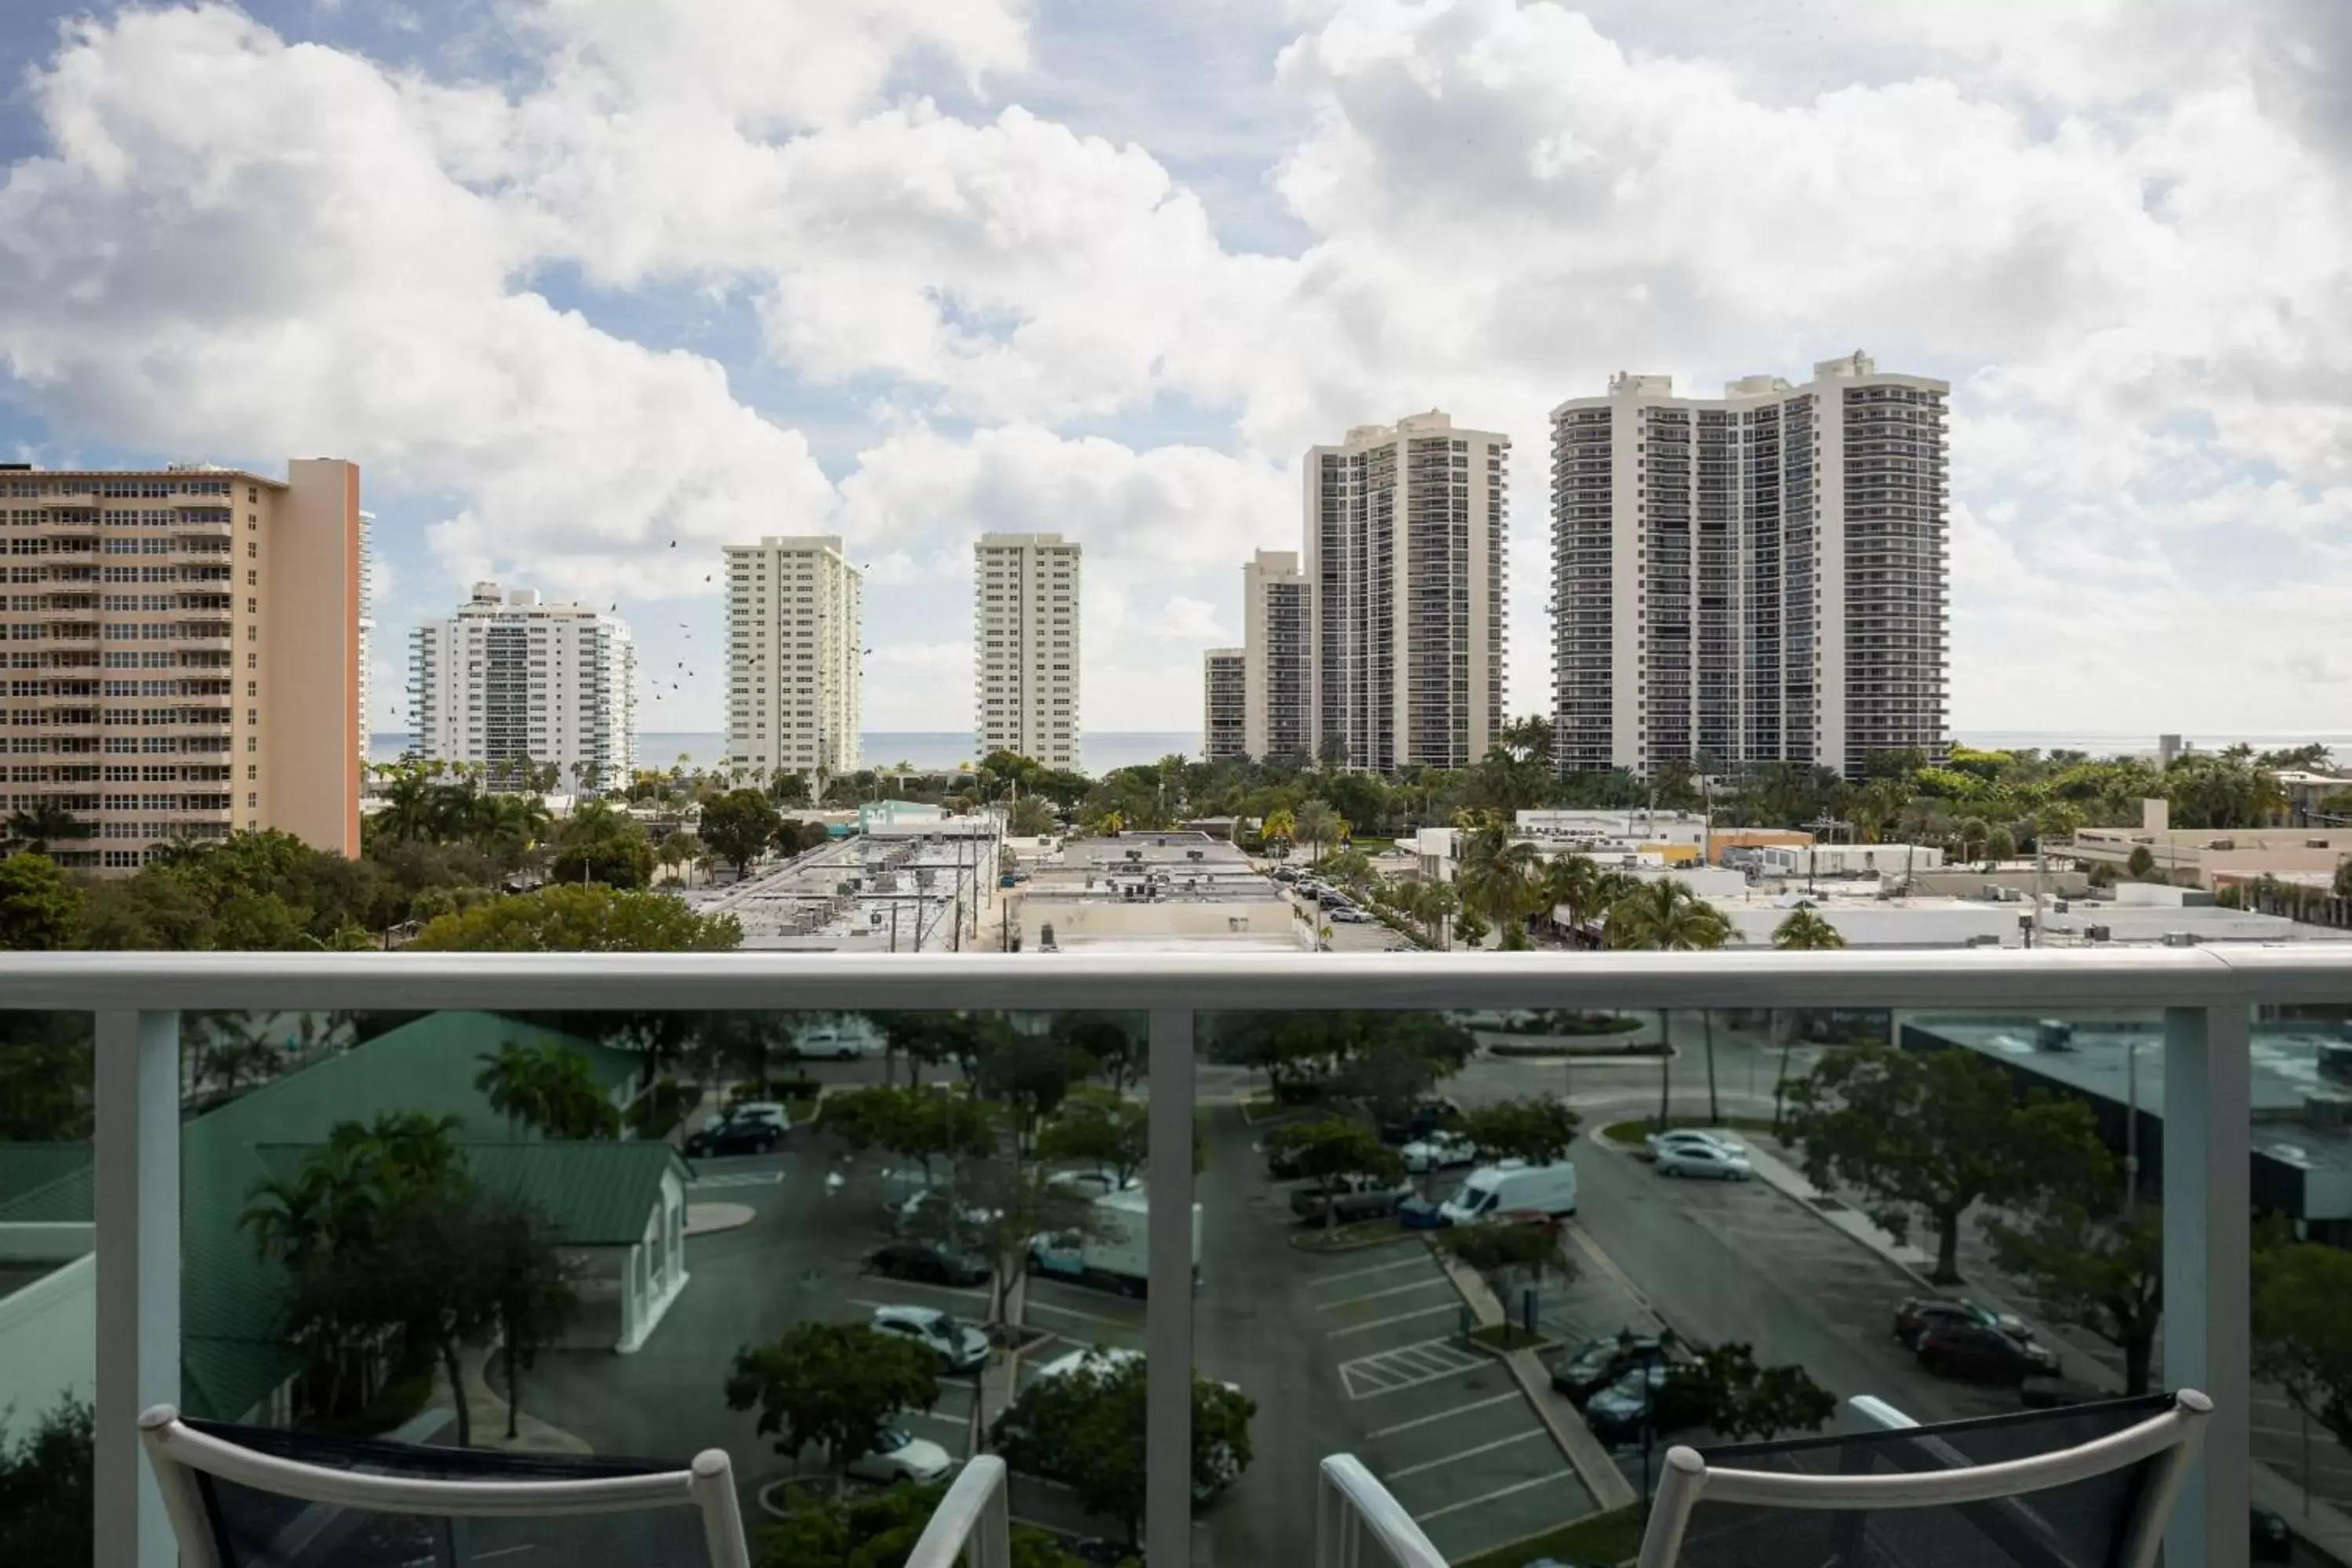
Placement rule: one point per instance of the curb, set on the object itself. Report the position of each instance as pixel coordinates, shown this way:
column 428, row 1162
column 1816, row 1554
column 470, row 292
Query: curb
column 1593, row 1466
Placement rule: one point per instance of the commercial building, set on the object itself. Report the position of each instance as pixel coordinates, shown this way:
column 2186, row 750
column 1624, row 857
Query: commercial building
column 1158, row 892
column 509, row 680
column 1026, row 646
column 1224, row 702
column 1277, row 627
column 2213, row 856
column 184, row 654
column 796, row 649
column 1755, row 577
column 1406, row 530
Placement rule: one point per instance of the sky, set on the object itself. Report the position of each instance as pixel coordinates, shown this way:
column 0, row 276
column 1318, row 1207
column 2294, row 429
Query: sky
column 572, row 279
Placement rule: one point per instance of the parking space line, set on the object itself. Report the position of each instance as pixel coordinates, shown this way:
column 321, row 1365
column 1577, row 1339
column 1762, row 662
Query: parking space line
column 1441, row 1415
column 963, row 1420
column 1373, row 1268
column 1398, row 1318
column 1036, row 1306
column 1467, row 1453
column 1489, row 1497
column 1437, row 1281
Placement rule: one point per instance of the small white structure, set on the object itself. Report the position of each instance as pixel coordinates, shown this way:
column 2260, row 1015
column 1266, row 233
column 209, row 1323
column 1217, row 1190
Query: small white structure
column 1801, row 860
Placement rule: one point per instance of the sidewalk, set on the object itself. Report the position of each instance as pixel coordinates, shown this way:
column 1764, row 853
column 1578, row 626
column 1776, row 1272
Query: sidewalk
column 2310, row 1518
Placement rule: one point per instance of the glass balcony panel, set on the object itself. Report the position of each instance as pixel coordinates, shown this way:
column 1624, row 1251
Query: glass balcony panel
column 48, row 1288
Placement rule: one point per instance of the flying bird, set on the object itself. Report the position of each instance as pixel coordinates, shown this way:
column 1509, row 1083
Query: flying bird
column 673, row 544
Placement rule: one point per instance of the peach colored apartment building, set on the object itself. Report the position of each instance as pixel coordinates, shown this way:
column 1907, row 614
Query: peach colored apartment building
column 184, row 654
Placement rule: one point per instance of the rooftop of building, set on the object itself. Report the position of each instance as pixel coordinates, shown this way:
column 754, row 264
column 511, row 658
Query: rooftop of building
column 2291, row 1066
column 167, row 471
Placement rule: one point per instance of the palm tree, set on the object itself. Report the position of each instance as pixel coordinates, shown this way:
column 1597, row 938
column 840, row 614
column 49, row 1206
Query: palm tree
column 1572, row 882
column 1317, row 823
column 1666, row 915
column 512, row 1081
column 1498, row 880
column 1802, row 932
column 1280, row 826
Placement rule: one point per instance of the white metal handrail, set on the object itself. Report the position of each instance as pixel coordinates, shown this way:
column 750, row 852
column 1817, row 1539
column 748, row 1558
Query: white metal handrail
column 973, row 1522
column 175, row 1449
column 2173, row 1434
column 1351, row 1505
column 2205, row 995
column 2056, row 980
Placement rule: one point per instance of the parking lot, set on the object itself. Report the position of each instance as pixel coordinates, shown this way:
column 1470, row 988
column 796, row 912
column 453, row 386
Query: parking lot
column 1357, row 1352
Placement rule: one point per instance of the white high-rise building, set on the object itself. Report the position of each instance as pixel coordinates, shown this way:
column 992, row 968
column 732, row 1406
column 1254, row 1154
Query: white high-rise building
column 1407, row 526
column 508, row 679
column 795, row 620
column 1755, row 577
column 1224, row 687
column 1277, row 716
column 1026, row 646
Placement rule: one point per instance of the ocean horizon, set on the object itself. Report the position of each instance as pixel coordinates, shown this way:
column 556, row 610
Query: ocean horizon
column 1101, row 752
column 929, row 749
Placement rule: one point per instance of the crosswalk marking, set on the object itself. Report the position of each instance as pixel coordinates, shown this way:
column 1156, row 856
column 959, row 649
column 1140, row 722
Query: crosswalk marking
column 1408, row 1366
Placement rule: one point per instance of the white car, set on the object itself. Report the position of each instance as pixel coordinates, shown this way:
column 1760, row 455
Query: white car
column 1438, row 1150
column 830, row 1044
column 924, row 1213
column 762, row 1111
column 1703, row 1160
column 1685, row 1137
column 1091, row 1183
column 958, row 1345
column 896, row 1455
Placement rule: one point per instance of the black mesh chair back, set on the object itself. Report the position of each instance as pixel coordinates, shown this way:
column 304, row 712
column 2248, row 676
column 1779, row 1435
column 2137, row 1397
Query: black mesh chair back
column 252, row 1497
column 2088, row 1486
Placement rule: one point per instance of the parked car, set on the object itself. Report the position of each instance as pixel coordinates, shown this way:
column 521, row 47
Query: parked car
column 958, row 1345
column 1419, row 1120
column 1704, row 1161
column 1350, row 915
column 832, row 1045
column 762, row 1111
column 1681, row 1137
column 1423, row 1214
column 1440, row 1150
column 1355, row 1199
column 926, row 1213
column 896, row 1455
column 1596, row 1363
column 929, row 1262
column 1977, row 1352
column 1089, row 1184
column 1917, row 1314
column 2271, row 1541
column 720, row 1140
column 1616, row 1414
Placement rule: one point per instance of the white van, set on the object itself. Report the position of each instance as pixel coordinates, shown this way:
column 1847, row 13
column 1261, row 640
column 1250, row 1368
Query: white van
column 1514, row 1184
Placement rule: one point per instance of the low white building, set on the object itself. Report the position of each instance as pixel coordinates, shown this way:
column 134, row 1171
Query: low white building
column 1798, row 861
column 1633, row 826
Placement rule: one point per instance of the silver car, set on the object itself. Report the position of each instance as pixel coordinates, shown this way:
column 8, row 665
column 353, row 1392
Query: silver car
column 958, row 1345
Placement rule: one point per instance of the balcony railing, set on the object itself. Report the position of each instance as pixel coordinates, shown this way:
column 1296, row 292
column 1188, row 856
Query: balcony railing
column 2202, row 999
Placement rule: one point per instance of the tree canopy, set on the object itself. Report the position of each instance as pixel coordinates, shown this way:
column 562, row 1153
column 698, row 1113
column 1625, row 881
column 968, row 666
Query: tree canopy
column 831, row 1385
column 571, row 918
column 1924, row 1135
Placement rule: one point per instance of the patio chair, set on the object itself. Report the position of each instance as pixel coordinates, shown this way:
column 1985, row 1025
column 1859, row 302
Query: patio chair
column 2042, row 1489
column 253, row 1497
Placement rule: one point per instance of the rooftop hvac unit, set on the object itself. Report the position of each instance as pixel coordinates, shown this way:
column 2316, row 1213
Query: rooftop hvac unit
column 1984, row 940
column 2099, row 934
column 2059, row 906
column 2180, row 939
column 1193, row 854
column 1135, row 854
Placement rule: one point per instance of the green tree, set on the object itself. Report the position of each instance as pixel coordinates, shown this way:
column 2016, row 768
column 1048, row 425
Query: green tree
column 47, row 1503
column 40, row 911
column 658, row 1112
column 1033, row 817
column 832, row 1384
column 1805, row 932
column 1503, row 1255
column 574, row 919
column 45, row 1077
column 43, row 825
column 1925, row 1136
column 1085, row 1429
column 600, row 842
column 739, row 826
column 1537, row 1128
column 1280, row 826
column 877, row 1531
column 549, row 1089
column 1726, row 1391
column 1102, row 1128
column 911, row 1122
column 1499, row 881
column 1330, row 1151
column 2301, row 1334
column 1572, row 882
column 1666, row 915
column 529, row 1291
column 1319, row 826
column 2090, row 1270
column 2140, row 863
column 235, row 1047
